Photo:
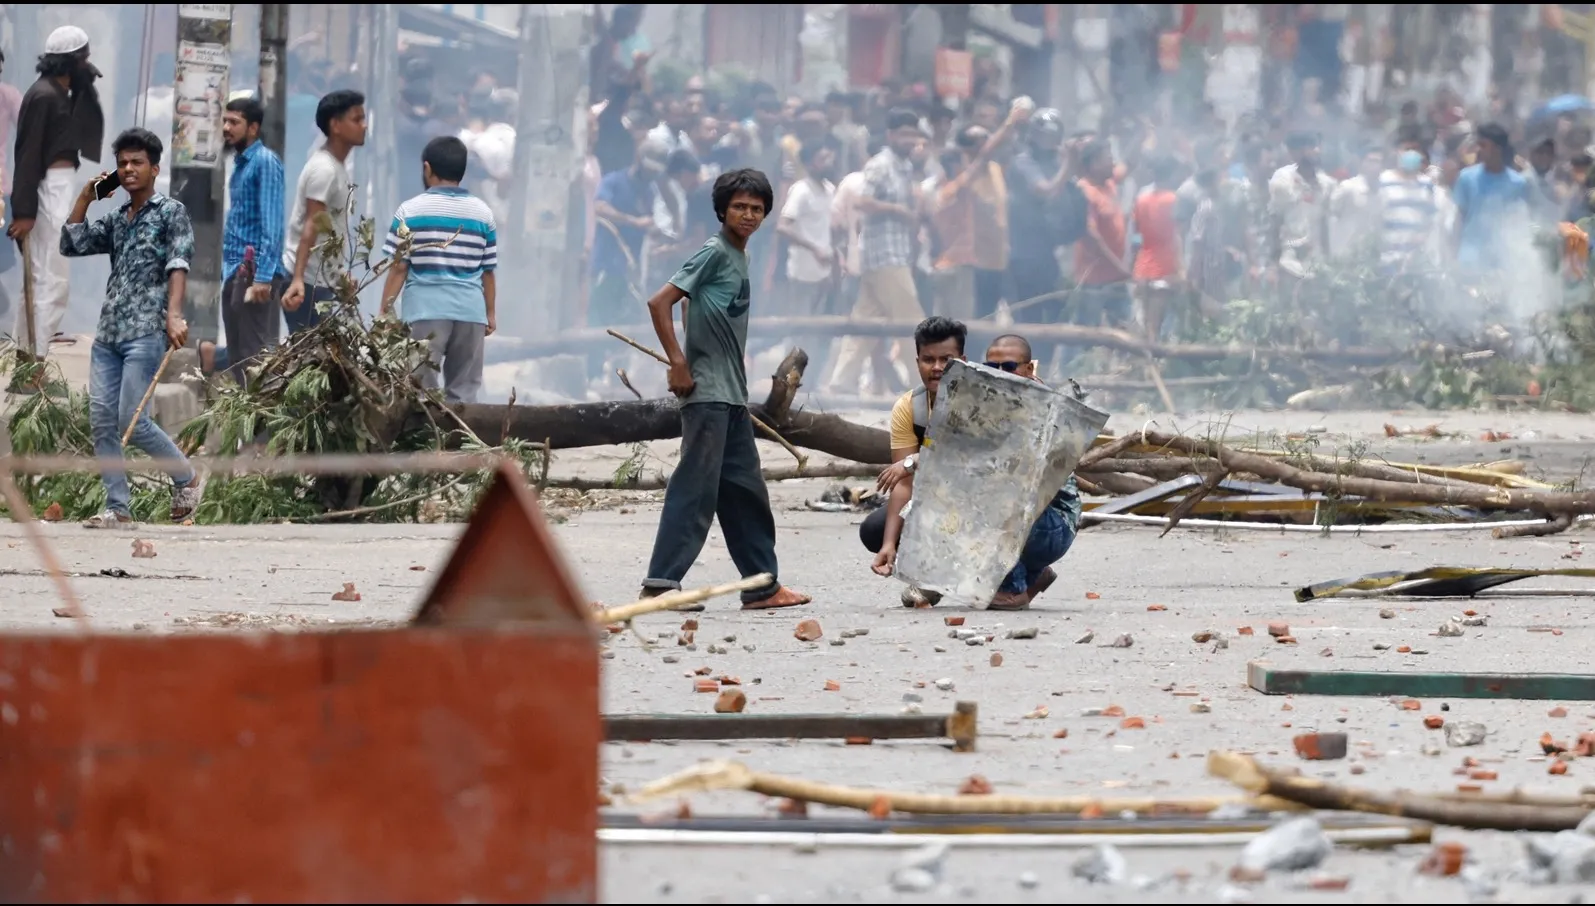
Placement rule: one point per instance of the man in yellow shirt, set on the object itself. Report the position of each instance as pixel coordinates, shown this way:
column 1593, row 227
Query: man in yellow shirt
column 937, row 342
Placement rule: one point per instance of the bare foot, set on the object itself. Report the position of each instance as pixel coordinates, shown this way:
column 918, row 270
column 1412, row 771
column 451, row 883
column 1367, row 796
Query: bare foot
column 783, row 597
column 1010, row 600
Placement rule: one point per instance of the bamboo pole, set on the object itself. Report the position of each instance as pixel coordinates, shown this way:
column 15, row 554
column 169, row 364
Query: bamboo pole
column 730, row 775
column 673, row 600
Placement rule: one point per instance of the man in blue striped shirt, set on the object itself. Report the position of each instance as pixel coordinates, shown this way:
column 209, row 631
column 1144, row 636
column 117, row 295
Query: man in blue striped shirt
column 255, row 220
column 444, row 243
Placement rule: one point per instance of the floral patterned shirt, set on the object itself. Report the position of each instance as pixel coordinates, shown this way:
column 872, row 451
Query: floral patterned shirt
column 144, row 251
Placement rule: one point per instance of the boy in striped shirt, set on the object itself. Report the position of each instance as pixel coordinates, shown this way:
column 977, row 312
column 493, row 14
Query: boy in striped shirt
column 446, row 279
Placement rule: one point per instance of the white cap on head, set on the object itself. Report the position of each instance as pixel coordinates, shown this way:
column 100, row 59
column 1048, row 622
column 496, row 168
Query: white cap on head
column 66, row 39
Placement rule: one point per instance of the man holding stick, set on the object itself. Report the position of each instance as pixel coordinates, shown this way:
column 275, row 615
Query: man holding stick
column 718, row 473
column 150, row 240
column 59, row 123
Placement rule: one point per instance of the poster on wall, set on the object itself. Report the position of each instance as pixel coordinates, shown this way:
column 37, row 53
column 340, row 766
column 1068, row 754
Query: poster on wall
column 205, row 10
column 201, row 92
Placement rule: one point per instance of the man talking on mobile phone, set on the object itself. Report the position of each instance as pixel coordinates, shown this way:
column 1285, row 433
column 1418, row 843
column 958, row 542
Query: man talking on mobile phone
column 150, row 240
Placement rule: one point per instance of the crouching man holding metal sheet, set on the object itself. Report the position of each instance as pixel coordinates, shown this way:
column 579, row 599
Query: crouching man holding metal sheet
column 997, row 502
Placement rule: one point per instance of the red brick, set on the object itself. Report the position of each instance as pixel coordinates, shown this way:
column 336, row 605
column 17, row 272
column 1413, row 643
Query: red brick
column 1132, row 723
column 1557, row 767
column 705, row 685
column 731, row 701
column 348, row 593
column 953, row 621
column 1445, row 859
column 1278, row 628
column 1321, row 746
column 1557, row 711
column 808, row 631
column 832, row 686
column 1245, row 630
column 1434, row 721
column 52, row 513
column 1156, row 608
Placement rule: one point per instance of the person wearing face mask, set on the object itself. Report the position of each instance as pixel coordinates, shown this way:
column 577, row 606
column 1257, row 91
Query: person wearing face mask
column 59, row 124
column 1409, row 212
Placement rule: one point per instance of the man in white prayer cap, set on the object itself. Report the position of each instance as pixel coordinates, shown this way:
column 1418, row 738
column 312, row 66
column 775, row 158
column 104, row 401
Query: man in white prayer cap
column 60, row 123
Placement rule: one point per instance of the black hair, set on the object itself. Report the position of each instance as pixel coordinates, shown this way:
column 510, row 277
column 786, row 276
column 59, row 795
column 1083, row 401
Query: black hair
column 901, row 118
column 741, row 182
column 941, row 112
column 1163, row 168
column 253, row 111
column 681, row 161
column 1497, row 135
column 139, row 140
column 1013, row 339
column 1582, row 159
column 972, row 138
column 1091, row 150
column 55, row 65
column 446, row 156
column 335, row 105
column 1297, row 140
column 937, row 329
column 808, row 151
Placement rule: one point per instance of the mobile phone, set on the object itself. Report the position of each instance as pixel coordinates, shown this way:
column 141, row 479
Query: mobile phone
column 105, row 187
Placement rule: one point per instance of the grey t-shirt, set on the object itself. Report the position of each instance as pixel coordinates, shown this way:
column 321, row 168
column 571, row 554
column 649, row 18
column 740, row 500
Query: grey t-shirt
column 324, row 179
column 716, row 283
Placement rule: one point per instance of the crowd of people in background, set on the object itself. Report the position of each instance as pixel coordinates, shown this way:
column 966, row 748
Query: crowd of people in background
column 894, row 204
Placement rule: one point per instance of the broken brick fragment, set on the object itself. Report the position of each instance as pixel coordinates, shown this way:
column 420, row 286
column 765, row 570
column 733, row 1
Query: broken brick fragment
column 859, row 740
column 348, row 593
column 1557, row 767
column 1156, row 608
column 996, row 659
column 1061, row 733
column 52, row 513
column 1285, row 639
column 1434, row 721
column 1278, row 628
column 689, row 625
column 1550, row 746
column 832, row 686
column 1244, row 630
column 1482, row 775
column 976, row 785
column 1445, row 859
column 1320, row 746
column 1113, row 711
column 1557, row 711
column 953, row 621
column 705, row 685
column 1132, row 723
column 731, row 701
column 1412, row 704
column 881, row 808
column 808, row 631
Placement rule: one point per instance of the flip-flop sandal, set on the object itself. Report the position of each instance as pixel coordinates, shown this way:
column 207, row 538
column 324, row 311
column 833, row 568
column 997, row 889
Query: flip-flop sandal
column 108, row 520
column 776, row 601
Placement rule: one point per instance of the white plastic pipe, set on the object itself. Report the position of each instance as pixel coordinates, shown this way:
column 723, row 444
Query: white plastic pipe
column 1282, row 528
column 1362, row 836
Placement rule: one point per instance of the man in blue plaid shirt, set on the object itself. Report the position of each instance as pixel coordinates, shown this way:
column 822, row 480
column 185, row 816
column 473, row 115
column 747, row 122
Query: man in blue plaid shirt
column 251, row 286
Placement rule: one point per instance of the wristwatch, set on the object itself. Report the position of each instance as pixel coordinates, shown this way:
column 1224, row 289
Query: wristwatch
column 910, row 461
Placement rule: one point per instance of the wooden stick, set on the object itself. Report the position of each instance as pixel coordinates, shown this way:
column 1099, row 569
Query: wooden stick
column 148, row 392
column 802, row 459
column 675, row 599
column 1157, row 381
column 1560, row 523
column 28, row 313
column 22, row 514
column 731, row 775
column 1317, row 794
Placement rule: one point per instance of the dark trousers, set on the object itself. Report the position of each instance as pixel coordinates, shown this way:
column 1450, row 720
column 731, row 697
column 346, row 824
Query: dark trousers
column 1050, row 538
column 250, row 327
column 989, row 286
column 307, row 315
column 1034, row 277
column 718, row 475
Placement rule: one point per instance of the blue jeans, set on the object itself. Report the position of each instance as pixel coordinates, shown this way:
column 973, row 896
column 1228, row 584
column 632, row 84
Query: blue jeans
column 1050, row 538
column 119, row 373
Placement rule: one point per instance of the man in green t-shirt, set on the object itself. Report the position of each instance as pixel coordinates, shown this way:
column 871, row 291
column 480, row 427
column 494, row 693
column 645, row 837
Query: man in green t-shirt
column 719, row 472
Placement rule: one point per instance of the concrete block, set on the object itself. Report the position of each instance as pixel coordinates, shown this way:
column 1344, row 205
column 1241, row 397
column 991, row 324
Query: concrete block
column 1000, row 447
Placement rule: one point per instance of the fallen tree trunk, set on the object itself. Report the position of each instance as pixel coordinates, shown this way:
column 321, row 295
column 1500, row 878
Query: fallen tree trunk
column 583, row 339
column 658, row 482
column 1482, row 497
column 633, row 421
